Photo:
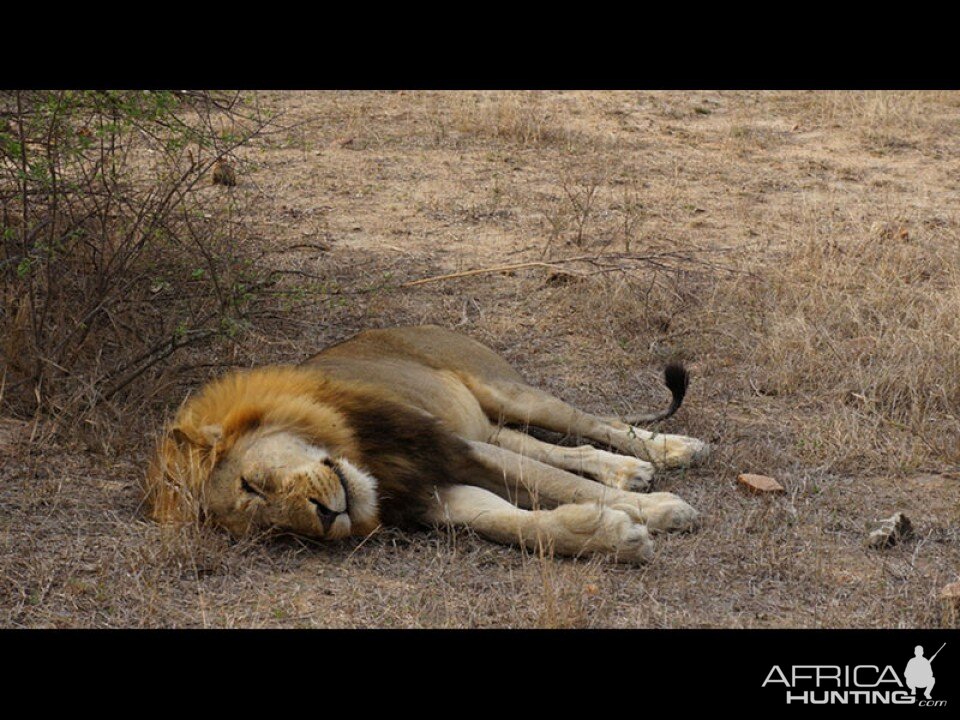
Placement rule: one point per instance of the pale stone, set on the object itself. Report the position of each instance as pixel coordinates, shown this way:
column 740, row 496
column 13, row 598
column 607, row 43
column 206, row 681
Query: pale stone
column 759, row 483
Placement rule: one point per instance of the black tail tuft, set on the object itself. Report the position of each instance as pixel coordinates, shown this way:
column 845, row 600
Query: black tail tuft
column 677, row 379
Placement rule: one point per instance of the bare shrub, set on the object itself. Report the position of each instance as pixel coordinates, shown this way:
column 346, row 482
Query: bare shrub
column 112, row 257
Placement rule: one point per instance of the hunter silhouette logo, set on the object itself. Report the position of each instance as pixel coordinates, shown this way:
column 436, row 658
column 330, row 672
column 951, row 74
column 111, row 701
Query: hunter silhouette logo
column 919, row 674
column 858, row 684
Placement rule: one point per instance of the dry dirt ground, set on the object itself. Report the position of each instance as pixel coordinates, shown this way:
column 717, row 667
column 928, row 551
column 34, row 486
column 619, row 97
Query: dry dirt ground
column 800, row 251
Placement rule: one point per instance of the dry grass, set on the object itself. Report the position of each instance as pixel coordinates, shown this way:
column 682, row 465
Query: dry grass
column 522, row 118
column 816, row 296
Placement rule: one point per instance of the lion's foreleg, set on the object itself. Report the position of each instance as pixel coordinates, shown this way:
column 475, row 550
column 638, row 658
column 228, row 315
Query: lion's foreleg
column 568, row 530
column 548, row 485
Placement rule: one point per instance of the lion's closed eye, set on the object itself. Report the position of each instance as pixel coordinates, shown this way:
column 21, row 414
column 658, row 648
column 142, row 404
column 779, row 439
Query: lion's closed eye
column 248, row 488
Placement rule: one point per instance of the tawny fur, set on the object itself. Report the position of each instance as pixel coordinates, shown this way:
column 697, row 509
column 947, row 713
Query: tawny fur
column 407, row 451
column 400, row 427
column 285, row 397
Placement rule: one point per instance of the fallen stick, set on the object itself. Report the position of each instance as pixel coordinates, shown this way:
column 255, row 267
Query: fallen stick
column 500, row 268
column 655, row 259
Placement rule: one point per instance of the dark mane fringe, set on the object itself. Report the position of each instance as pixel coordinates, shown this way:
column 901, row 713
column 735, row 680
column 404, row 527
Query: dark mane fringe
column 411, row 454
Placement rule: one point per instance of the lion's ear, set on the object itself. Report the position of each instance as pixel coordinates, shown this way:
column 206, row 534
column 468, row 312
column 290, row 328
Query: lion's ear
column 212, row 434
column 180, row 436
column 206, row 436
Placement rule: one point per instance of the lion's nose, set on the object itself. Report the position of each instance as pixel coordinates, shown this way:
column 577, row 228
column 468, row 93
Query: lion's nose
column 326, row 515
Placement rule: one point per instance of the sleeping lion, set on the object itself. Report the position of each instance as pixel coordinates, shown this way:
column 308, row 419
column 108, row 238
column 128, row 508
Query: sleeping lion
column 407, row 427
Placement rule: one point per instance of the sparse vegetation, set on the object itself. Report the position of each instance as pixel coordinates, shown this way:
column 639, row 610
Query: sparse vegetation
column 113, row 258
column 810, row 277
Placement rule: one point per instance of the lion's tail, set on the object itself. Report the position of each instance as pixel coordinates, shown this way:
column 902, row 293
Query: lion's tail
column 676, row 378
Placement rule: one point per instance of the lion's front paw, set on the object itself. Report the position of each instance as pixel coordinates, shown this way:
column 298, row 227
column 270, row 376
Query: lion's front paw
column 604, row 530
column 660, row 511
column 634, row 544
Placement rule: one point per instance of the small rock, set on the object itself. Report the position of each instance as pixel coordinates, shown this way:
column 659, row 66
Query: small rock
column 759, row 483
column 950, row 601
column 224, row 174
column 892, row 530
column 951, row 591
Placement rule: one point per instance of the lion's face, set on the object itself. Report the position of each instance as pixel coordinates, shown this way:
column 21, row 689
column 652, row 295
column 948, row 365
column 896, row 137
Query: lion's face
column 277, row 480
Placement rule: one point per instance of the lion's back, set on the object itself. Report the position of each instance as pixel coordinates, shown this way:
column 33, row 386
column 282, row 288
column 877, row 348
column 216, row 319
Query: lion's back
column 430, row 345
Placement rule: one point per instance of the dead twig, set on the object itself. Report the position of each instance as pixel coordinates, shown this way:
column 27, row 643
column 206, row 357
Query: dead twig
column 610, row 262
column 488, row 271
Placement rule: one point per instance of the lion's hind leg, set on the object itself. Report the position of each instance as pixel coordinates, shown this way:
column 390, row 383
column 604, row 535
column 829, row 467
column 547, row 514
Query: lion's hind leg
column 617, row 471
column 570, row 530
column 515, row 402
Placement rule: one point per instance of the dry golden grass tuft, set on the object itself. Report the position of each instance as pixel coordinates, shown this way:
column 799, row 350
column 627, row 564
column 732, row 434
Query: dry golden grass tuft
column 518, row 117
column 865, row 326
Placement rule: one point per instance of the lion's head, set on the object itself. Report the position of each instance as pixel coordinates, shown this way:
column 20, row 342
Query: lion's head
column 258, row 450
